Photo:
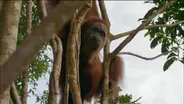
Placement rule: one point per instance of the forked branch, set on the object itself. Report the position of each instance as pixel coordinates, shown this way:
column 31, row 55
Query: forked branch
column 117, row 36
column 142, row 26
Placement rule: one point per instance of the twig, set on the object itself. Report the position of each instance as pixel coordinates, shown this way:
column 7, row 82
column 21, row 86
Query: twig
column 143, row 57
column 133, row 102
column 133, row 33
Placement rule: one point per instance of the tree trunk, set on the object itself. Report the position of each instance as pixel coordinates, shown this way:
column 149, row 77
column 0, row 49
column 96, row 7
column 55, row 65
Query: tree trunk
column 9, row 21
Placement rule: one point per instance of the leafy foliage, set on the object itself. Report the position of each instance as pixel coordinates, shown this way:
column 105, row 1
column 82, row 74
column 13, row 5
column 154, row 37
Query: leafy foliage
column 44, row 98
column 170, row 38
column 121, row 99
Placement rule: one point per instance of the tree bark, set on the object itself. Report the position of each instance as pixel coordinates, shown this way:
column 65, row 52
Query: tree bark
column 9, row 22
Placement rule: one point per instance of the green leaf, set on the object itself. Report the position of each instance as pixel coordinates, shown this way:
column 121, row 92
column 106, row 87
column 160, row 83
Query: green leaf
column 125, row 98
column 179, row 15
column 168, row 63
column 146, row 34
column 175, row 49
column 153, row 32
column 164, row 48
column 154, row 42
column 150, row 12
column 171, row 55
column 182, row 60
column 33, row 93
column 181, row 31
column 160, row 21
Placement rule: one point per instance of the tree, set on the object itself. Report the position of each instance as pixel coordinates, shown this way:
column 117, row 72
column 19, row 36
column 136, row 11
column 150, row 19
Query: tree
column 164, row 25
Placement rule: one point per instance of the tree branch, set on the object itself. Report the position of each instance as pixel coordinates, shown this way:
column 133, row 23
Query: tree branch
column 142, row 57
column 56, row 70
column 164, row 25
column 25, row 73
column 104, row 11
column 134, row 102
column 52, row 97
column 114, row 37
column 72, row 53
column 134, row 32
column 106, row 63
column 117, row 36
column 41, row 5
column 14, row 94
column 31, row 45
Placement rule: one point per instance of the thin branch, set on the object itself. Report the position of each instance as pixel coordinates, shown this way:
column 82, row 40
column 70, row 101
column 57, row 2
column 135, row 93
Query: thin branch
column 117, row 36
column 133, row 33
column 14, row 94
column 25, row 73
column 104, row 11
column 106, row 63
column 56, row 70
column 52, row 97
column 72, row 53
column 76, row 25
column 66, row 90
column 71, row 76
column 143, row 57
column 57, row 67
column 134, row 102
column 41, row 5
column 164, row 25
column 28, row 17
